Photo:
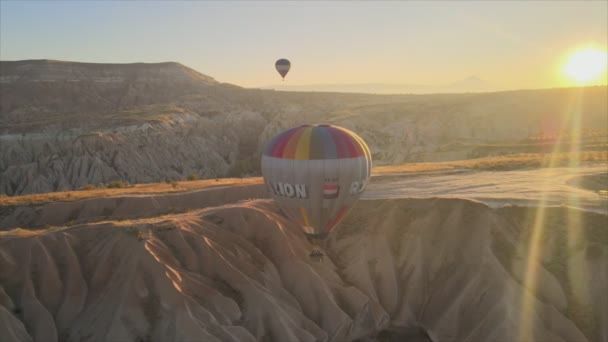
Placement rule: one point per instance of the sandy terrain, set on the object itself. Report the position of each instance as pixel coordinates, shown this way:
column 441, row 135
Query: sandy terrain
column 536, row 187
column 425, row 269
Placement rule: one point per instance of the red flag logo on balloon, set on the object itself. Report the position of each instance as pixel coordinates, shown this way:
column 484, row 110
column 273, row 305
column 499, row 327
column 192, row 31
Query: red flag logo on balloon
column 330, row 191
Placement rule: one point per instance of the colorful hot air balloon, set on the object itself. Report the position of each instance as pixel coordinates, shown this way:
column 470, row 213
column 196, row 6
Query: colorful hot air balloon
column 316, row 173
column 283, row 66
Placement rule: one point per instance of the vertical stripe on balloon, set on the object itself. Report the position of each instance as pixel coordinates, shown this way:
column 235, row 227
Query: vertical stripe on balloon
column 304, row 216
column 279, row 145
column 303, row 148
column 317, row 143
column 290, row 148
column 341, row 148
column 273, row 143
column 335, row 220
column 354, row 140
column 350, row 145
column 329, row 145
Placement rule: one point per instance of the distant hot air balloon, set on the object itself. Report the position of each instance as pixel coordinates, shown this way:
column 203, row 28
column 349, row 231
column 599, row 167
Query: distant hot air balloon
column 316, row 173
column 283, row 65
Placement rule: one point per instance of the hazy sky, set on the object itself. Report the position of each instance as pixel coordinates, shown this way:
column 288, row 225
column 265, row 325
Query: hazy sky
column 515, row 44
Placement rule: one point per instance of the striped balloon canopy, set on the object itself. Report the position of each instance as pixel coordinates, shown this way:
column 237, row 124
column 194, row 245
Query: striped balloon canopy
column 316, row 173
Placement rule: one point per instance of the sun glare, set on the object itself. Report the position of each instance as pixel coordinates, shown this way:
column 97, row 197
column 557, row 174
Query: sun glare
column 586, row 66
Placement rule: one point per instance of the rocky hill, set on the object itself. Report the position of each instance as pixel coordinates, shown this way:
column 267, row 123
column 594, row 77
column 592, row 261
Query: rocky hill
column 67, row 124
column 395, row 270
column 43, row 87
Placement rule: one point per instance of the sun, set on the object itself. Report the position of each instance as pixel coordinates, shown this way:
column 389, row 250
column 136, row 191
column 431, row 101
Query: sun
column 586, row 65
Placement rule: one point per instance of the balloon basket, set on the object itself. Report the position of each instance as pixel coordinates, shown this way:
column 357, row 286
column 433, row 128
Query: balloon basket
column 316, row 255
column 316, row 240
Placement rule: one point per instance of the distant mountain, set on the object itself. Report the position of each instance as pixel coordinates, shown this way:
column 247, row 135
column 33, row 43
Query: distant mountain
column 472, row 84
column 31, row 88
column 47, row 70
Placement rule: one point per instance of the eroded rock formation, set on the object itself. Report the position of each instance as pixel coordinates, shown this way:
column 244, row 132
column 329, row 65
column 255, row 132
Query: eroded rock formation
column 66, row 124
column 455, row 269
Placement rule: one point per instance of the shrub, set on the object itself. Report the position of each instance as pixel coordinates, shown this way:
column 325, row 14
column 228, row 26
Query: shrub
column 117, row 184
column 140, row 234
column 88, row 187
column 174, row 184
column 192, row 176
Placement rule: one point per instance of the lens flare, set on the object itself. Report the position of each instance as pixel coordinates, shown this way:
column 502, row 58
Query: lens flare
column 570, row 120
column 587, row 65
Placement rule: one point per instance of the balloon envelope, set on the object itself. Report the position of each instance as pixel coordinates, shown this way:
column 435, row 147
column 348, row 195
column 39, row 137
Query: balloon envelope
column 282, row 66
column 316, row 173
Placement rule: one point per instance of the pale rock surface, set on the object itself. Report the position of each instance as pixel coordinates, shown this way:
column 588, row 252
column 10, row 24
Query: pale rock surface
column 241, row 272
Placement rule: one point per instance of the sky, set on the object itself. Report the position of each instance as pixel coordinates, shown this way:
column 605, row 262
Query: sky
column 513, row 44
